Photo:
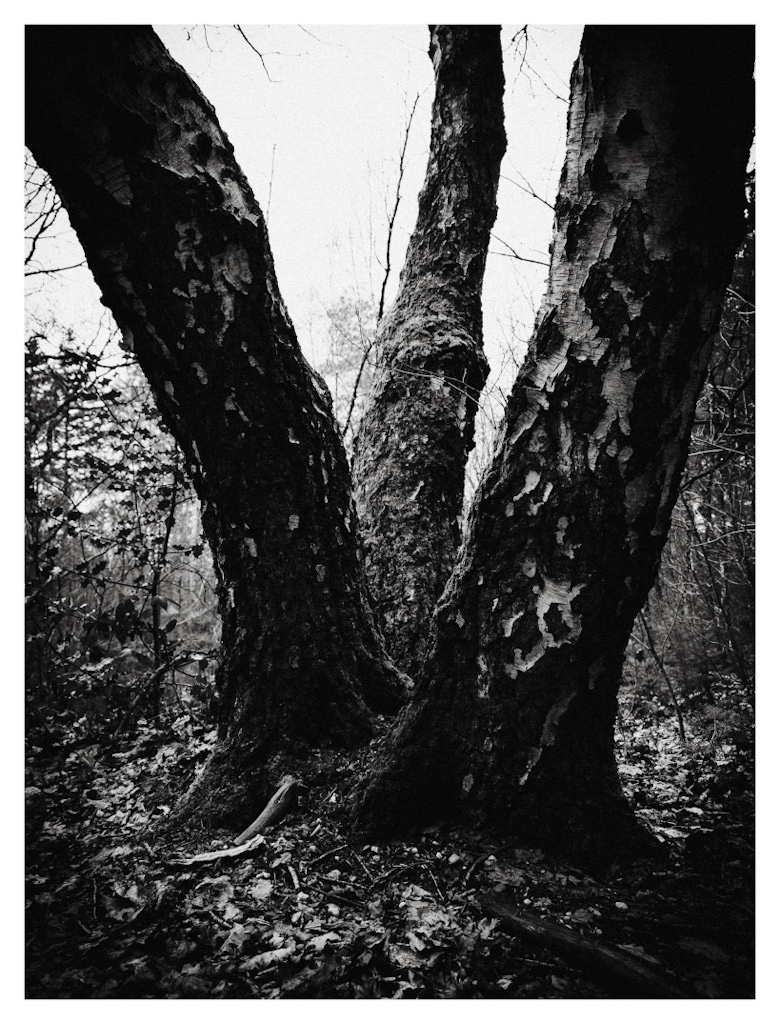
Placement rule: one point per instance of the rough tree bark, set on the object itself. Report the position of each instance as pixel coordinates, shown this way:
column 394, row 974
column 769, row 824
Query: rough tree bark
column 179, row 249
column 414, row 439
column 512, row 722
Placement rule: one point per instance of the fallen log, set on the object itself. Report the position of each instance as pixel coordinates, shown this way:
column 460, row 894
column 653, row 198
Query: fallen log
column 276, row 807
column 622, row 973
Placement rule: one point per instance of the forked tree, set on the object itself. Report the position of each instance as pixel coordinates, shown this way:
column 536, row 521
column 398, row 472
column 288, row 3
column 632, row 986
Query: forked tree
column 511, row 722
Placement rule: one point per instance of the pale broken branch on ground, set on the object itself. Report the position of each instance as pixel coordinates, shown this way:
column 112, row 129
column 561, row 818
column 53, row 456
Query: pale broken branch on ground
column 276, row 807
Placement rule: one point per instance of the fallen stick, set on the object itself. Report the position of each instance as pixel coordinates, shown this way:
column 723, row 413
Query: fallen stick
column 274, row 809
column 229, row 851
column 621, row 972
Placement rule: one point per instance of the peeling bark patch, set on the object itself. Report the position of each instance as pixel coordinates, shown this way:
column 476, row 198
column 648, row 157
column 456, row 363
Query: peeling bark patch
column 467, row 784
column 293, row 523
column 508, row 624
column 531, row 480
column 534, row 507
column 203, row 377
column 186, row 247
column 558, row 624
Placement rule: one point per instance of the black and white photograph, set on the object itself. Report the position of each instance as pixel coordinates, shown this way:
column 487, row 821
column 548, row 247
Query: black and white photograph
column 389, row 506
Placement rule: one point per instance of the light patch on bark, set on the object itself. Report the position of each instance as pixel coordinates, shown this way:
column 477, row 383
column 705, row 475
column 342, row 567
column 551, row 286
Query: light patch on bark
column 549, row 730
column 468, row 782
column 230, row 273
column 461, row 413
column 168, row 387
column 560, row 534
column 203, row 377
column 531, row 480
column 565, row 442
column 483, row 678
column 416, row 492
column 636, row 496
column 560, row 537
column 231, row 268
column 186, row 247
column 293, row 523
column 460, row 622
column 291, row 436
column 550, row 593
column 561, row 594
column 545, row 371
column 509, row 511
column 508, row 624
column 250, row 546
column 618, row 392
column 175, row 144
column 537, row 402
column 320, row 570
column 528, row 568
column 534, row 507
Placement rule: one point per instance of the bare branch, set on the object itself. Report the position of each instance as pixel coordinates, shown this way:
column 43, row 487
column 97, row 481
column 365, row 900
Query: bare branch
column 515, row 255
column 253, row 47
column 392, row 216
column 527, row 188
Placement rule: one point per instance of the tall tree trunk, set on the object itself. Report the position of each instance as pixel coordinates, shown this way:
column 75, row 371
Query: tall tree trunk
column 512, row 723
column 179, row 248
column 414, row 439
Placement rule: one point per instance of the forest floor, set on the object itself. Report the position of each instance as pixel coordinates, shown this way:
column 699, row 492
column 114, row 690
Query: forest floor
column 311, row 913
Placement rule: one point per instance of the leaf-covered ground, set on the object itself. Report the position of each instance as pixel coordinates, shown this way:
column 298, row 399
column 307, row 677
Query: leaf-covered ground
column 312, row 913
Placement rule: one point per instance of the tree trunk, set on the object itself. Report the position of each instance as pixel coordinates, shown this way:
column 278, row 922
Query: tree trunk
column 512, row 723
column 414, row 439
column 179, row 248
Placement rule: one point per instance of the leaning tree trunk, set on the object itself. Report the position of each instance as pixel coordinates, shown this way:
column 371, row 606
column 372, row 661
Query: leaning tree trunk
column 179, row 248
column 512, row 723
column 414, row 439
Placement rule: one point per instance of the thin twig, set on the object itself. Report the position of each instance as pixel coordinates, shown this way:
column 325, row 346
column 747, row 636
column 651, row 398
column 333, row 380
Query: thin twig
column 253, row 47
column 328, row 853
column 392, row 216
column 516, row 255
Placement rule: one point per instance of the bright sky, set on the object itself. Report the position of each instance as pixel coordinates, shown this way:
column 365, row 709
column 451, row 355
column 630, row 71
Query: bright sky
column 318, row 132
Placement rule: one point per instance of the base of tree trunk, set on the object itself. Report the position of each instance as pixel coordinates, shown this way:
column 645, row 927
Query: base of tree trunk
column 593, row 836
column 569, row 802
column 233, row 784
